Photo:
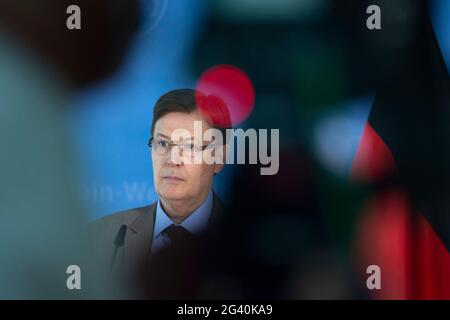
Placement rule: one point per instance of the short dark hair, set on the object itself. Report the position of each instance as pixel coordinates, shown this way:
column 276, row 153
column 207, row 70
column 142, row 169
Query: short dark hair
column 186, row 101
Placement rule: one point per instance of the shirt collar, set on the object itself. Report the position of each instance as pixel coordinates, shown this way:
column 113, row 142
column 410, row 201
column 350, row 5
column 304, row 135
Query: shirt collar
column 195, row 223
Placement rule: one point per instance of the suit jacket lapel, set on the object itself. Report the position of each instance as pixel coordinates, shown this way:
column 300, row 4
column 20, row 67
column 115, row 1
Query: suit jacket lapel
column 217, row 212
column 138, row 239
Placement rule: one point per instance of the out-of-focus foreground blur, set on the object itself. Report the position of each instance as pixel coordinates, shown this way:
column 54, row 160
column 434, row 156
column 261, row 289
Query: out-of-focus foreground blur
column 363, row 116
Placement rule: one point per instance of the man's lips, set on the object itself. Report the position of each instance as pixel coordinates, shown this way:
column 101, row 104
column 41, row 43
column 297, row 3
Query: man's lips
column 172, row 178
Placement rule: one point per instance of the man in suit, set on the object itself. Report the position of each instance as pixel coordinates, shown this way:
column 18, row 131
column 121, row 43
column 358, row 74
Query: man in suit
column 152, row 244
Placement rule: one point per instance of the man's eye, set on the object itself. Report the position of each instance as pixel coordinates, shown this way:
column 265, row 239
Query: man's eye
column 163, row 143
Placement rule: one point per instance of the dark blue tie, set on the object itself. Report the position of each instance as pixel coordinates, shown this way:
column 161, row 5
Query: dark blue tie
column 178, row 235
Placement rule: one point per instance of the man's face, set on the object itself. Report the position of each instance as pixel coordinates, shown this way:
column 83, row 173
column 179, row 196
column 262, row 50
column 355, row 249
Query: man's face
column 175, row 177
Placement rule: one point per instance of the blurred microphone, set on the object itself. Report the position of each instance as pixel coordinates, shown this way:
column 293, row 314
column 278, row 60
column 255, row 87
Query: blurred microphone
column 118, row 243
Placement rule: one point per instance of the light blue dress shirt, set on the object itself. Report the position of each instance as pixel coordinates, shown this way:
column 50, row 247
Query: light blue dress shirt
column 195, row 223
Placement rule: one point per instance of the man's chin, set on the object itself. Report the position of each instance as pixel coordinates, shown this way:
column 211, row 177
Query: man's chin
column 172, row 195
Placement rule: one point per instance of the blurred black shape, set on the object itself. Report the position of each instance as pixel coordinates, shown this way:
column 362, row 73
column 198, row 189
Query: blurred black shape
column 85, row 55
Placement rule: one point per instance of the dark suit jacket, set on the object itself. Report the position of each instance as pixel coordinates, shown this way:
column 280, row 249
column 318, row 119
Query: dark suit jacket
column 121, row 242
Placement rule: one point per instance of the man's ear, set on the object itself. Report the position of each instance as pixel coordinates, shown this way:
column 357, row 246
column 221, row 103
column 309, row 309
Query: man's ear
column 219, row 166
column 225, row 147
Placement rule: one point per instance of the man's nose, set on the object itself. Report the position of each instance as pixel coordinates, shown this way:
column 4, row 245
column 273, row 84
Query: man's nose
column 174, row 157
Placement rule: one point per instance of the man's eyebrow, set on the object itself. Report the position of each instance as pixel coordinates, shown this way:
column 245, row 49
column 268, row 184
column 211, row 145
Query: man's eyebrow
column 163, row 135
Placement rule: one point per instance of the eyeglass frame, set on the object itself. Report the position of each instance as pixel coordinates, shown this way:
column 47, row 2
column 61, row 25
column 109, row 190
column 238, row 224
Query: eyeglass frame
column 172, row 144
